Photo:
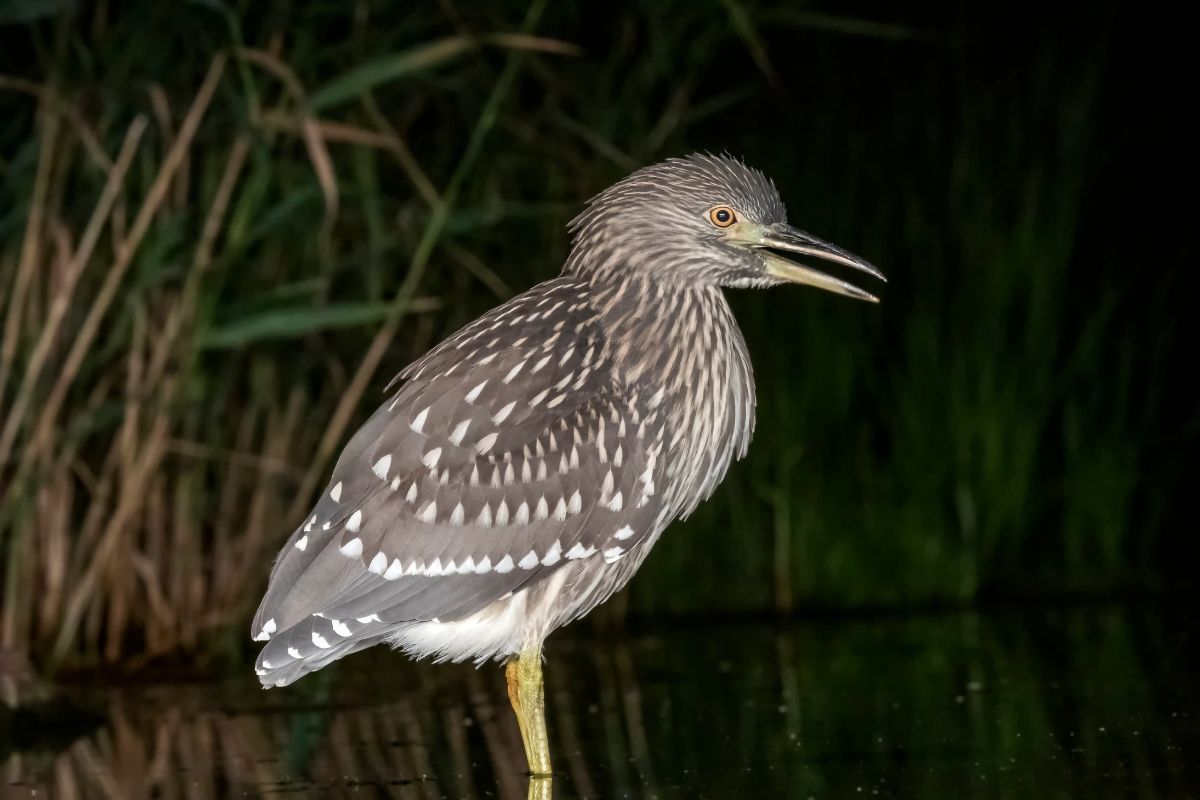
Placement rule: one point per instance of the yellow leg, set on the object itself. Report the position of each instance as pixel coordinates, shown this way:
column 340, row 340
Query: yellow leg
column 541, row 788
column 524, row 674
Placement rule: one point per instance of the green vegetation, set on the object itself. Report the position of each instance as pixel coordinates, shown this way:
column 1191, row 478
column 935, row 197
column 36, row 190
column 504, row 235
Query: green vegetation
column 223, row 227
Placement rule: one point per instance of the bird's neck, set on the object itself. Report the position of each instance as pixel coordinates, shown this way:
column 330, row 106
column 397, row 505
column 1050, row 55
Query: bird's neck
column 680, row 346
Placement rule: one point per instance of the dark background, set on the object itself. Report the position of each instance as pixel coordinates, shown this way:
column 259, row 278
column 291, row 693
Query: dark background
column 1014, row 423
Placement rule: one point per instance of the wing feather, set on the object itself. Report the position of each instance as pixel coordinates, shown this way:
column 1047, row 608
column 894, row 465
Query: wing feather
column 511, row 451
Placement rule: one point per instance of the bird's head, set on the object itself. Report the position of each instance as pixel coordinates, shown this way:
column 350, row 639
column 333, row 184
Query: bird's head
column 703, row 220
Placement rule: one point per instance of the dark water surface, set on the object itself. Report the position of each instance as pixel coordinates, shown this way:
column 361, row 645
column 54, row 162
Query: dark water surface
column 1092, row 703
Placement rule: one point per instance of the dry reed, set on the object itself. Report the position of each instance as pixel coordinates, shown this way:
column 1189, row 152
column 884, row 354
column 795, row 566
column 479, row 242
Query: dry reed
column 129, row 532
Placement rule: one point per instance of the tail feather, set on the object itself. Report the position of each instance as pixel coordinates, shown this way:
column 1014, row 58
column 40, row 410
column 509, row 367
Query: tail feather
column 312, row 644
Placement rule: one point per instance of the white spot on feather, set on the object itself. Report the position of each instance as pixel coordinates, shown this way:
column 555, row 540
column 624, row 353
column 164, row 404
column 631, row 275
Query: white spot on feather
column 320, row 641
column 553, row 554
column 529, row 561
column 429, row 513
column 503, row 413
column 340, row 628
column 485, row 443
column 623, row 533
column 352, row 548
column 504, row 565
column 512, row 373
column 336, row 492
column 579, row 551
column 378, row 563
column 430, row 459
column 473, row 395
column 355, row 521
column 460, row 430
column 418, row 423
column 302, row 542
column 382, row 466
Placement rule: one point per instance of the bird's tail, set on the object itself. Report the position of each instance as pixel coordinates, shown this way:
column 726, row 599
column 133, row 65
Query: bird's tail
column 305, row 647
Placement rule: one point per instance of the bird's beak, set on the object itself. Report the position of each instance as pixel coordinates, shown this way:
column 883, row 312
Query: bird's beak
column 774, row 240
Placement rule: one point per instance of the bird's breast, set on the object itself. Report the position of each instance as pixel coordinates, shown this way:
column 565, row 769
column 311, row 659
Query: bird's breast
column 685, row 353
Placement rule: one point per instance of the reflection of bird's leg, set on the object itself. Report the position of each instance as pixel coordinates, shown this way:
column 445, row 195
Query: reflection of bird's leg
column 525, row 692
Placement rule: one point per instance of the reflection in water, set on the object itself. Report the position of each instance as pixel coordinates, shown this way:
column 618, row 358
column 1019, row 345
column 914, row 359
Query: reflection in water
column 1076, row 703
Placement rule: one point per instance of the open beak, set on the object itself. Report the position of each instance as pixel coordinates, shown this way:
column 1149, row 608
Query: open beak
column 775, row 240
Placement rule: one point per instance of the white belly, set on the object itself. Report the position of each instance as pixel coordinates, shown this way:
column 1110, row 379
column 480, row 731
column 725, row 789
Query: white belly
column 501, row 630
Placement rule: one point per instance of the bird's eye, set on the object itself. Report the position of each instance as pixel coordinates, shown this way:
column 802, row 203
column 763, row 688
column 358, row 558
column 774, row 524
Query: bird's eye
column 722, row 216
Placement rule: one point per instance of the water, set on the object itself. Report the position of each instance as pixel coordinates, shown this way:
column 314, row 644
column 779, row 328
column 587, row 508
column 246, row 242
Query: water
column 1095, row 703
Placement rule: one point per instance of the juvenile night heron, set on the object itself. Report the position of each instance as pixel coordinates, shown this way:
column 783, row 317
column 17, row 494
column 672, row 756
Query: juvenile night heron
column 526, row 465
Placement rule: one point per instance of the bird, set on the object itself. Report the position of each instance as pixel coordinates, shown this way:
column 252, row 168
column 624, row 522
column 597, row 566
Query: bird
column 518, row 474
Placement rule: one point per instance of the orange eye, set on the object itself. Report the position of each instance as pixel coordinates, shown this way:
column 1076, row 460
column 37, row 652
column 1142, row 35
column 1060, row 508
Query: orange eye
column 722, row 216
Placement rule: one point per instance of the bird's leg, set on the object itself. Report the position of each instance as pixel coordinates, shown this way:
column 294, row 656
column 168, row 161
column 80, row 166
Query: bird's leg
column 541, row 787
column 525, row 692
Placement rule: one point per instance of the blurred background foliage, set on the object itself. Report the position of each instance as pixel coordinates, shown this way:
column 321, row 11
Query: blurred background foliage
column 225, row 225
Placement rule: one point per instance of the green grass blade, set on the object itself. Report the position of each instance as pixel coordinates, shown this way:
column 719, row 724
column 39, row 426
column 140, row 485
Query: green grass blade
column 388, row 68
column 292, row 323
